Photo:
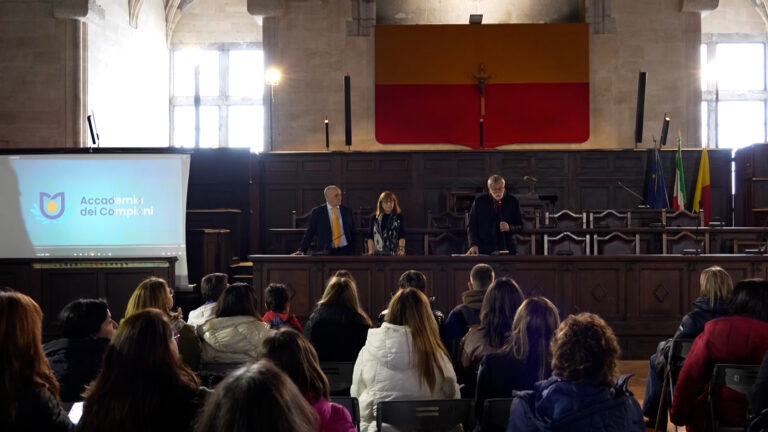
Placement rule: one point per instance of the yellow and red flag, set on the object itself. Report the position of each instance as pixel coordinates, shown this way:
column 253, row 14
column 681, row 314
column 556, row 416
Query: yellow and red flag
column 702, row 201
column 528, row 83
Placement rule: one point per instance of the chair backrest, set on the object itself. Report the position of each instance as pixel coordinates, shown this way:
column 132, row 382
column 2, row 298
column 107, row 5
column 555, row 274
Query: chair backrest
column 441, row 415
column 682, row 218
column 739, row 378
column 300, row 221
column 610, row 219
column 213, row 373
column 616, row 244
column 566, row 219
column 352, row 405
column 678, row 351
column 685, row 242
column 339, row 376
column 445, row 244
column 566, row 244
column 496, row 414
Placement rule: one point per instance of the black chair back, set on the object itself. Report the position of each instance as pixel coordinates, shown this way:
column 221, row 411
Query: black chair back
column 213, row 373
column 496, row 414
column 678, row 351
column 352, row 405
column 442, row 415
column 339, row 376
column 739, row 378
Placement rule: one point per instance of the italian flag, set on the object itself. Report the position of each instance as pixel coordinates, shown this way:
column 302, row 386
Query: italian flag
column 701, row 199
column 678, row 197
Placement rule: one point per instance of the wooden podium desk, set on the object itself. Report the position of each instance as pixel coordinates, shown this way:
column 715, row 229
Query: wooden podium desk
column 642, row 297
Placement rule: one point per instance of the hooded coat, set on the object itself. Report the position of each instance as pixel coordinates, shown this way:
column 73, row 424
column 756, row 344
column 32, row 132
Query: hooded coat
column 386, row 370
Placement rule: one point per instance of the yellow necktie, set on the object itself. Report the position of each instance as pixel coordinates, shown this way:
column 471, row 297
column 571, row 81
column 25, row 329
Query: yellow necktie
column 335, row 228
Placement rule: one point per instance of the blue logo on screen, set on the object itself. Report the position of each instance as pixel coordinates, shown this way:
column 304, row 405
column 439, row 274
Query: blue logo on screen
column 52, row 206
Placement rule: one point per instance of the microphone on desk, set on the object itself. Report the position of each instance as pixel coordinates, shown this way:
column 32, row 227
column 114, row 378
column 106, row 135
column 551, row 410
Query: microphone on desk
column 530, row 178
column 635, row 194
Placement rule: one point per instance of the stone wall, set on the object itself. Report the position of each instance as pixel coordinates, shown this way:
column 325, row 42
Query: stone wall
column 33, row 76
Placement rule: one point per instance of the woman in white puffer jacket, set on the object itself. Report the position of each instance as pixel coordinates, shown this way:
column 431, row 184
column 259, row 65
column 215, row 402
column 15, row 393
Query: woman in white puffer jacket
column 403, row 359
column 236, row 334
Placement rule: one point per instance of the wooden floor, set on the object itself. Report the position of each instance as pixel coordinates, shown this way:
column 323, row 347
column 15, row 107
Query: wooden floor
column 637, row 384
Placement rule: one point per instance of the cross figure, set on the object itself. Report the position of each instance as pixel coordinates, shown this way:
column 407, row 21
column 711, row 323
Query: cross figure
column 481, row 78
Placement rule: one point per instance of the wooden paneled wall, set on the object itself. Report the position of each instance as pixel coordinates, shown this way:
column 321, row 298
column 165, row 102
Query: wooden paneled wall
column 423, row 181
column 642, row 297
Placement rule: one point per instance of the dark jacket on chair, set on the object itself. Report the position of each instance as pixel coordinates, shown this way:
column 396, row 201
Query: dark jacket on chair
column 336, row 332
column 555, row 405
column 693, row 322
column 320, row 226
column 483, row 227
column 75, row 363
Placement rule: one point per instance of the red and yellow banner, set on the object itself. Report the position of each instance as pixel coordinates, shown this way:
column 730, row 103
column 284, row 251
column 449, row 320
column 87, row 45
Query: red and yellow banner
column 534, row 83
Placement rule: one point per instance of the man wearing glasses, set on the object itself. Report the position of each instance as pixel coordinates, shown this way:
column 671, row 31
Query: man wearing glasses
column 494, row 218
column 332, row 224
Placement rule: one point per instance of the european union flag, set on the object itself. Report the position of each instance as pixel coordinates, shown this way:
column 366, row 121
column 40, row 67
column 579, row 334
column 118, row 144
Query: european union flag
column 656, row 190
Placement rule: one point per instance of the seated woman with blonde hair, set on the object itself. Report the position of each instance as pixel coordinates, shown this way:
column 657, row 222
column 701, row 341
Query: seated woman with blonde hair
column 403, row 359
column 581, row 394
column 386, row 233
column 155, row 293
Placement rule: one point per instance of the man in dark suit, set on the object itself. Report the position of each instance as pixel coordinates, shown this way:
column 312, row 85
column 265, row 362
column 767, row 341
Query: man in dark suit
column 494, row 218
column 333, row 224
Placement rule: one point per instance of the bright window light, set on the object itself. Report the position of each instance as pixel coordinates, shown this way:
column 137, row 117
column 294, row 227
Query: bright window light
column 740, row 123
column 246, row 127
column 246, row 73
column 741, row 66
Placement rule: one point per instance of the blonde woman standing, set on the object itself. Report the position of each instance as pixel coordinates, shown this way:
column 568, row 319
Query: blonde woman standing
column 403, row 359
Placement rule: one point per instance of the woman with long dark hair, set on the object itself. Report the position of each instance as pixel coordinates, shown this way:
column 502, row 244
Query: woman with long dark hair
column 402, row 359
column 257, row 397
column 338, row 327
column 500, row 304
column 29, row 392
column 294, row 355
column 525, row 359
column 143, row 385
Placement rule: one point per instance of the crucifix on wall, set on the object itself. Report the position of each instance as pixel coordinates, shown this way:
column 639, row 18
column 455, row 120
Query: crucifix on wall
column 481, row 78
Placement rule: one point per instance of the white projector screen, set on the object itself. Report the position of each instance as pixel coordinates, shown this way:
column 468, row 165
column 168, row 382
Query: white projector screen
column 77, row 205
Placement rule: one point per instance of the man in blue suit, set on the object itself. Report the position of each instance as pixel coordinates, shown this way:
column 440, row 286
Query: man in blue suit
column 332, row 224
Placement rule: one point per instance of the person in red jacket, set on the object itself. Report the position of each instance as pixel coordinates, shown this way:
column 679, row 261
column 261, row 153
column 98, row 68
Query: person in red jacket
column 741, row 338
column 278, row 301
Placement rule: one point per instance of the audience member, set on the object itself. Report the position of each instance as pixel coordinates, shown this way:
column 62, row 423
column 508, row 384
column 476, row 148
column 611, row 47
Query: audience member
column 237, row 333
column 278, row 301
column 338, row 326
column 143, row 385
column 738, row 339
column 29, row 391
column 416, row 279
column 156, row 294
column 211, row 287
column 86, row 329
column 580, row 396
column 403, row 359
column 758, row 397
column 501, row 302
column 257, row 397
column 294, row 355
column 715, row 292
column 386, row 233
column 467, row 314
column 525, row 359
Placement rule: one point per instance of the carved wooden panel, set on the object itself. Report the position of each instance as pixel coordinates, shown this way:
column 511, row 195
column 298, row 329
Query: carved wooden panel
column 300, row 279
column 119, row 286
column 600, row 290
column 69, row 285
column 660, row 291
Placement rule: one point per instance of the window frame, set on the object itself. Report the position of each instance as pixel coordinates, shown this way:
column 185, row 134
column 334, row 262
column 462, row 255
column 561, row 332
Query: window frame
column 712, row 95
column 223, row 101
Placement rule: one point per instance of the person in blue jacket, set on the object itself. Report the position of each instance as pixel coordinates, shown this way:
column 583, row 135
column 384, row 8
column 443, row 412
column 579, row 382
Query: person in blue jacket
column 581, row 394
